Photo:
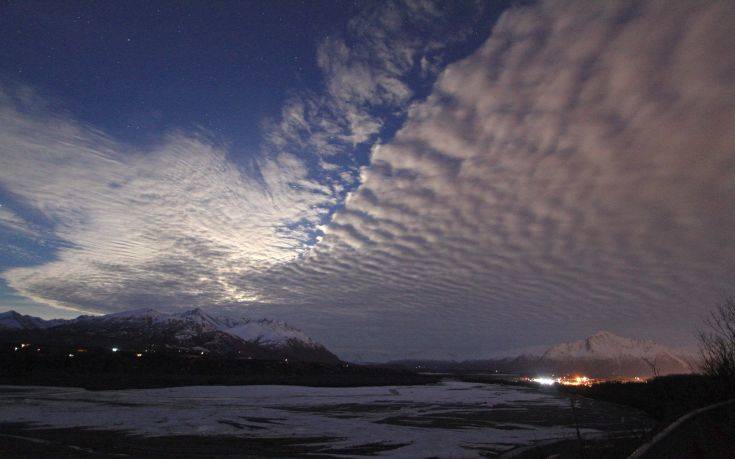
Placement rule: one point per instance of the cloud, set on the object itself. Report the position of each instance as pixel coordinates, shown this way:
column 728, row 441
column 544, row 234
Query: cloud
column 169, row 227
column 576, row 172
column 181, row 224
column 368, row 71
column 573, row 173
column 12, row 222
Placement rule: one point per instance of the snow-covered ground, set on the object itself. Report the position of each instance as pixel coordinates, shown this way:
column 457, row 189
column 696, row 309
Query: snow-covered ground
column 452, row 419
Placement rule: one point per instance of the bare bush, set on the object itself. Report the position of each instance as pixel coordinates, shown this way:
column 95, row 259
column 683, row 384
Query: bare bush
column 717, row 342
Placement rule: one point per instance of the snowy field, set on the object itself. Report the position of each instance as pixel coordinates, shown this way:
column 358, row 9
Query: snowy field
column 451, row 419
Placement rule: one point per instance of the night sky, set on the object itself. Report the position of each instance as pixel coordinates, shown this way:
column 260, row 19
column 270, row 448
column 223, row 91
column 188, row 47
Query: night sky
column 397, row 179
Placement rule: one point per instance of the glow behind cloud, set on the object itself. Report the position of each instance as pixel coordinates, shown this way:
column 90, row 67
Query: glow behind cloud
column 171, row 227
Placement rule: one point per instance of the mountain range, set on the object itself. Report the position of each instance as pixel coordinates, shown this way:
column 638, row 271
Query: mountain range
column 191, row 331
column 603, row 354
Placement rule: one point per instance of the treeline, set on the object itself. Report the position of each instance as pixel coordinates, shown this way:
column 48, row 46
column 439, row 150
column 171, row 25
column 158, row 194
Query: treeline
column 665, row 398
column 103, row 369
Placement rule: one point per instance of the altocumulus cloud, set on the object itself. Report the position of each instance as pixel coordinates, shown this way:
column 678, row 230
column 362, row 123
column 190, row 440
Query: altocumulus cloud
column 576, row 172
column 180, row 225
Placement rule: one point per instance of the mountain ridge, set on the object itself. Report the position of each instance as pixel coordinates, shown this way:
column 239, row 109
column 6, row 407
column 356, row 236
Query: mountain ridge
column 602, row 354
column 604, row 344
column 193, row 329
column 15, row 320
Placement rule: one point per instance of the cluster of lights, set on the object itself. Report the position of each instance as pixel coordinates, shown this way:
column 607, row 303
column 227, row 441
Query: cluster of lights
column 573, row 381
column 23, row 346
column 80, row 350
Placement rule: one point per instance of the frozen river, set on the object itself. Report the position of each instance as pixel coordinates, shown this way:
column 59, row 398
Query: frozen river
column 451, row 419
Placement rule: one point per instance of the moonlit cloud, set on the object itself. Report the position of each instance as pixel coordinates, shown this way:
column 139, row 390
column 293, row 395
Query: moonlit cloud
column 170, row 227
column 12, row 222
column 574, row 173
column 366, row 72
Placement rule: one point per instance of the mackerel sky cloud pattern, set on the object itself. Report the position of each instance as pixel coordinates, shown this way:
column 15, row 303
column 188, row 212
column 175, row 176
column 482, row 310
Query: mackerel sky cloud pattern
column 575, row 172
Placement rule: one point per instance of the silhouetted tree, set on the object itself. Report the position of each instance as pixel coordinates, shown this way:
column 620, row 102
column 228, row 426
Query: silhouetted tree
column 717, row 342
column 652, row 364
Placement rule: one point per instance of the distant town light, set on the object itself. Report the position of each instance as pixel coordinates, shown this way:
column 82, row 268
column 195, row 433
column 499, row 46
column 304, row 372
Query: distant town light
column 139, row 355
column 71, row 355
column 15, row 348
column 566, row 381
column 114, row 349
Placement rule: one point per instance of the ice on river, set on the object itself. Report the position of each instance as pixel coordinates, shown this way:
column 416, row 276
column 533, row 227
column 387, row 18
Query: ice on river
column 454, row 419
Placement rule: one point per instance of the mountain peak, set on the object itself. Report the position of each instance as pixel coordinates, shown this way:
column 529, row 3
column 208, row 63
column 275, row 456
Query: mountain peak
column 606, row 338
column 607, row 346
column 14, row 320
column 194, row 328
column 198, row 318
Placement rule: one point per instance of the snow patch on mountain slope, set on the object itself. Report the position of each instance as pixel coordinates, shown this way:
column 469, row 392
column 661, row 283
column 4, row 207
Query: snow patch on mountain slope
column 199, row 318
column 269, row 332
column 15, row 321
column 606, row 345
column 265, row 331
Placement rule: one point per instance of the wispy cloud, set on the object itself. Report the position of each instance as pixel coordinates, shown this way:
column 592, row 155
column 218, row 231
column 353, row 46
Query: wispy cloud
column 181, row 224
column 12, row 222
column 173, row 226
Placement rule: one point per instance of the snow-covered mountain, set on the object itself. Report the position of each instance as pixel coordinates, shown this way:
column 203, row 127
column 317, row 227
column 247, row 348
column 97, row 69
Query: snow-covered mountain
column 193, row 329
column 12, row 320
column 604, row 345
column 264, row 331
column 605, row 352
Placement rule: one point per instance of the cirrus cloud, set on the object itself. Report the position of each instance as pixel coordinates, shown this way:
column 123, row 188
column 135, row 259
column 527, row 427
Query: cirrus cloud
column 174, row 226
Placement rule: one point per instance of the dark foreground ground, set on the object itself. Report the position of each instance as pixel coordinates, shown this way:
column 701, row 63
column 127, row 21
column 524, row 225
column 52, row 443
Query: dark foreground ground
column 662, row 399
column 125, row 370
column 452, row 419
column 665, row 398
column 695, row 417
column 18, row 440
